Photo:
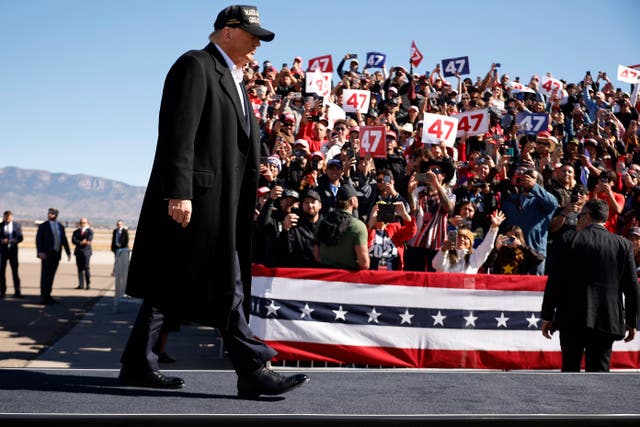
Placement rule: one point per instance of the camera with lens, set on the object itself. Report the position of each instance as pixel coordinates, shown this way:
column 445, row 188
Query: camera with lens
column 299, row 155
column 421, row 177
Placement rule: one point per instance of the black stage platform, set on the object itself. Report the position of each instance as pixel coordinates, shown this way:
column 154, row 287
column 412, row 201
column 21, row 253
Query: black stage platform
column 344, row 396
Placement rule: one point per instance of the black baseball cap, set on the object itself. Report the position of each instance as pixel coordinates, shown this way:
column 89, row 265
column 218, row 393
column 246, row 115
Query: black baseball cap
column 291, row 193
column 245, row 17
column 313, row 195
column 346, row 191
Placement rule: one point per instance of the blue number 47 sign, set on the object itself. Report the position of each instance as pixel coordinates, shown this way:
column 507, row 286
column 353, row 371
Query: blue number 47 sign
column 452, row 66
column 375, row 59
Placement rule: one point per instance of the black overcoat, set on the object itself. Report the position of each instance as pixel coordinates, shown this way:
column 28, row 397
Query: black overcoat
column 207, row 153
column 586, row 284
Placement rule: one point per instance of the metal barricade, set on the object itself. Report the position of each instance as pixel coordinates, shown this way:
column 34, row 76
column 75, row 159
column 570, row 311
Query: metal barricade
column 121, row 270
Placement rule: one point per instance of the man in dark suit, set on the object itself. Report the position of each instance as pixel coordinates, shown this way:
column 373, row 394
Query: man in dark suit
column 82, row 238
column 119, row 240
column 10, row 236
column 191, row 258
column 50, row 239
column 583, row 296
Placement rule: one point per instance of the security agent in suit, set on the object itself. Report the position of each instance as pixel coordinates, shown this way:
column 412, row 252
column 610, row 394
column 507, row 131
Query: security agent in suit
column 583, row 295
column 201, row 198
column 82, row 238
column 10, row 236
column 50, row 240
column 120, row 238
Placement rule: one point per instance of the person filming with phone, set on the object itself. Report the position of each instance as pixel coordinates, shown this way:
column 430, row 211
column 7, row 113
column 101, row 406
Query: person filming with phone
column 511, row 255
column 457, row 254
column 387, row 235
column 432, row 202
column 528, row 205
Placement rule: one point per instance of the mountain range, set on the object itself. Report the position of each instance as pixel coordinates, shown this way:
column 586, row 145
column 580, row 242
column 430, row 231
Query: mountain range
column 29, row 193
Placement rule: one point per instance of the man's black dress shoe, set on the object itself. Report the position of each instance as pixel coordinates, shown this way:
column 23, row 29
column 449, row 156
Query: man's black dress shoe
column 165, row 358
column 79, row 287
column 18, row 295
column 152, row 379
column 49, row 301
column 266, row 381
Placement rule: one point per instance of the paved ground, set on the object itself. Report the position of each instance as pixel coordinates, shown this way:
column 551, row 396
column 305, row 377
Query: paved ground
column 87, row 329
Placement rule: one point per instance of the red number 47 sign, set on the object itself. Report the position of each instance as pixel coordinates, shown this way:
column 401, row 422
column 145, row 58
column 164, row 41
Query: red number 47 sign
column 439, row 128
column 373, row 141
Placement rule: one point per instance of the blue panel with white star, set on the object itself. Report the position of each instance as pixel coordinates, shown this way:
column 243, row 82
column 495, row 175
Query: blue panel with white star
column 418, row 317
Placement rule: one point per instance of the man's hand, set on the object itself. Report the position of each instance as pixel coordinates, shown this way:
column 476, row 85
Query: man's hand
column 528, row 182
column 547, row 328
column 291, row 220
column 276, row 192
column 180, row 211
column 631, row 333
column 42, row 255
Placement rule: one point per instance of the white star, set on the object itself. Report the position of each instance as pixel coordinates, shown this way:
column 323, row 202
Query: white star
column 340, row 314
column 471, row 319
column 502, row 321
column 406, row 317
column 438, row 318
column 533, row 321
column 306, row 311
column 273, row 309
column 373, row 315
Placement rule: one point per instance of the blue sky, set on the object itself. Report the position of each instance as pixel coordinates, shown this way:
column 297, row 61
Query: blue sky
column 81, row 80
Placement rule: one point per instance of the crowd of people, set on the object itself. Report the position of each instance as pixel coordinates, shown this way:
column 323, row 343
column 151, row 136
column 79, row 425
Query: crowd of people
column 494, row 202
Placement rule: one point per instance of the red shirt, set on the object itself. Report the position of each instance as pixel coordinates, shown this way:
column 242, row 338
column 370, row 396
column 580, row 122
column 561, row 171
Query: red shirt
column 307, row 132
column 612, row 220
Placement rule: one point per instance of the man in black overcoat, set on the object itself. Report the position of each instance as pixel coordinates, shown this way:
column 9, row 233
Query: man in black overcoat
column 583, row 298
column 191, row 257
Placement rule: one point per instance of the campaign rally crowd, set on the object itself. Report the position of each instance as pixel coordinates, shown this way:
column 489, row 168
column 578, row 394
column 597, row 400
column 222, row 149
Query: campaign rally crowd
column 489, row 201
